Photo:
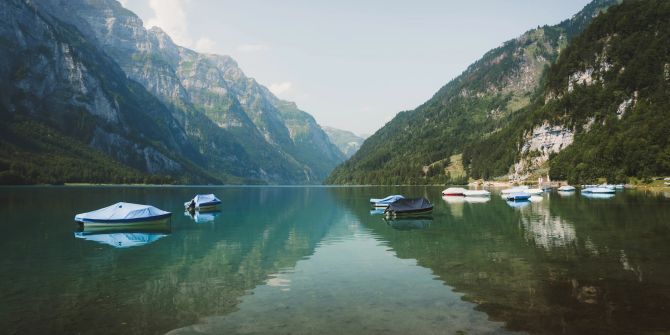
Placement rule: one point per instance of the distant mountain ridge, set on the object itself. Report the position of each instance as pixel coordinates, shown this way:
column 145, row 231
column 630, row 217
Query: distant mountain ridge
column 416, row 147
column 220, row 126
column 346, row 141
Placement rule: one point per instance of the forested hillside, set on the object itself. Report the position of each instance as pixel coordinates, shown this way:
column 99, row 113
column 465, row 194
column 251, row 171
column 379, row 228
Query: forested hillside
column 607, row 99
column 417, row 146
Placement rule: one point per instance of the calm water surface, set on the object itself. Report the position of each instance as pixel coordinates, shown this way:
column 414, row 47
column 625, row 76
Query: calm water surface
column 306, row 260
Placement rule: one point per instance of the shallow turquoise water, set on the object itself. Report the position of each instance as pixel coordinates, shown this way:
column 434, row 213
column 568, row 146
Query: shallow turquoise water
column 305, row 260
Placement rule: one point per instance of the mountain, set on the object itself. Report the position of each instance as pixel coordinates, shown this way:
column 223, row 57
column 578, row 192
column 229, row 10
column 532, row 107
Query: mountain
column 70, row 114
column 346, row 141
column 188, row 116
column 418, row 146
column 604, row 110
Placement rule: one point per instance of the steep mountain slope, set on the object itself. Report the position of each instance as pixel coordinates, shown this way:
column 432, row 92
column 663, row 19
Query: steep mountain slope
column 604, row 110
column 58, row 91
column 204, row 90
column 346, row 141
column 416, row 145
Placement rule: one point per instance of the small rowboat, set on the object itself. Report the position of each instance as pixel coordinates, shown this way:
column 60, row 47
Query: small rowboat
column 454, row 191
column 518, row 196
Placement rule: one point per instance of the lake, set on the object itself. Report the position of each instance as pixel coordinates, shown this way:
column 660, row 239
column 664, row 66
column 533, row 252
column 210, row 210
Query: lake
column 306, row 260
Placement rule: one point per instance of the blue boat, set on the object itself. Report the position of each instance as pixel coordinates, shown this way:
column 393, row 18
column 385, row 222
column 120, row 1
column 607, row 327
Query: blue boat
column 385, row 202
column 203, row 202
column 518, row 196
column 122, row 214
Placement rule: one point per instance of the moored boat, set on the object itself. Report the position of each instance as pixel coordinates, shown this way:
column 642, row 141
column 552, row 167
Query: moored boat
column 122, row 214
column 598, row 190
column 477, row 193
column 454, row 191
column 515, row 189
column 385, row 202
column 518, row 196
column 566, row 188
column 534, row 191
column 408, row 207
column 203, row 202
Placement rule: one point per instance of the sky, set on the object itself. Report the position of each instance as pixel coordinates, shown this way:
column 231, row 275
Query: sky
column 353, row 65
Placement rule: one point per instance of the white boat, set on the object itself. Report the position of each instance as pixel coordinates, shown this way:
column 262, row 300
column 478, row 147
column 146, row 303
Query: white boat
column 476, row 193
column 203, row 202
column 454, row 191
column 566, row 188
column 122, row 214
column 598, row 190
column 515, row 189
column 534, row 191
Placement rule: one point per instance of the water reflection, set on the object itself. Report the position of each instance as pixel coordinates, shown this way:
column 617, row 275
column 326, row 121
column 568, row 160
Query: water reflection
column 518, row 203
column 121, row 240
column 412, row 223
column 203, row 217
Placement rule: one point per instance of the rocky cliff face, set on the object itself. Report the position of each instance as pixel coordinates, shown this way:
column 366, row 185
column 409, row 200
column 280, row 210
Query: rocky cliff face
column 231, row 124
column 52, row 74
column 603, row 112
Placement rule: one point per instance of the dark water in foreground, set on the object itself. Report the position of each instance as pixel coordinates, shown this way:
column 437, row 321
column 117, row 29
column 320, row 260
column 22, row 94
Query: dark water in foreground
column 284, row 260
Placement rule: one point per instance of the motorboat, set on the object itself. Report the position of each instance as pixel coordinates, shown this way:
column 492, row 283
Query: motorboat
column 385, row 202
column 598, row 195
column 518, row 196
column 477, row 193
column 203, row 202
column 599, row 190
column 122, row 214
column 566, row 188
column 454, row 191
column 408, row 207
column 515, row 189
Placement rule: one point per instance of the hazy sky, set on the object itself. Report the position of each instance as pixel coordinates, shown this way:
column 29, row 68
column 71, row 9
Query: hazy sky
column 351, row 64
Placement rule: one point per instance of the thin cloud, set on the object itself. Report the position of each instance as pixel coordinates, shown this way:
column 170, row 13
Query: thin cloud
column 252, row 48
column 170, row 16
column 280, row 89
column 205, row 45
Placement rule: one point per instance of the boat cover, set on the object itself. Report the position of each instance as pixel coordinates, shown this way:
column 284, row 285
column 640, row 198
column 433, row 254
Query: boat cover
column 386, row 201
column 121, row 240
column 410, row 205
column 122, row 212
column 204, row 200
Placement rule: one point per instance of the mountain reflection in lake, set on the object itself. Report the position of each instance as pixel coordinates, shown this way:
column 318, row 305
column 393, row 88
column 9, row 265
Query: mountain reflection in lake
column 302, row 260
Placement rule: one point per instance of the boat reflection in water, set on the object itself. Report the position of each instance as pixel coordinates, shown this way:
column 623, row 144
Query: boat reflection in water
column 518, row 203
column 377, row 211
column 476, row 200
column 410, row 223
column 128, row 236
column 203, row 217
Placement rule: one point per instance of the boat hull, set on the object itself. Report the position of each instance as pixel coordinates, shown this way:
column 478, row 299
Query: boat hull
column 153, row 223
